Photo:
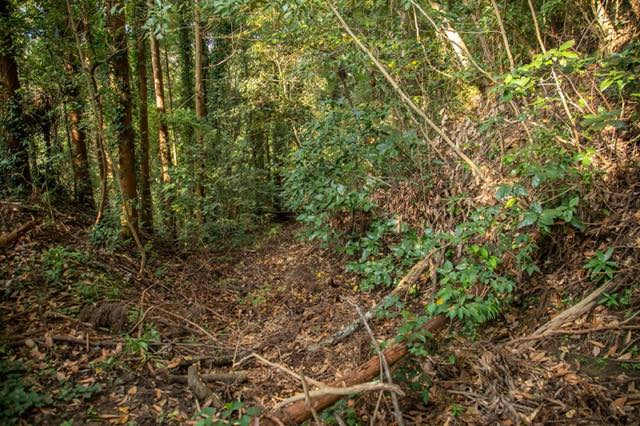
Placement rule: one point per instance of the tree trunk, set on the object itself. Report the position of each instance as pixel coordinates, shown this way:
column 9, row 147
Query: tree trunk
column 163, row 134
column 12, row 126
column 123, row 127
column 200, row 106
column 80, row 163
column 146, row 202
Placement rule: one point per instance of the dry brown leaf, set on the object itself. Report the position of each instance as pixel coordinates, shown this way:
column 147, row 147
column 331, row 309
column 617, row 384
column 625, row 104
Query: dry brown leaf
column 620, row 402
column 625, row 357
column 537, row 356
column 132, row 390
column 48, row 341
column 30, row 343
column 571, row 378
column 174, row 363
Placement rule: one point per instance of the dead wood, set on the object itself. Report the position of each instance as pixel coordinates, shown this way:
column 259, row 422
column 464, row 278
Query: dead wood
column 299, row 411
column 230, row 377
column 328, row 390
column 200, row 389
column 110, row 315
column 9, row 238
column 577, row 310
column 209, row 361
column 404, row 285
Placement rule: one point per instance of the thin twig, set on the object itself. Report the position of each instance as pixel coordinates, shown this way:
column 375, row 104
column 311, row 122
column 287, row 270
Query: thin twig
column 307, row 399
column 383, row 362
column 405, row 98
column 279, row 367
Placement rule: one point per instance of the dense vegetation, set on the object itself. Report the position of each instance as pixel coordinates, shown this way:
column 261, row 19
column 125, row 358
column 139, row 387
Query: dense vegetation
column 487, row 136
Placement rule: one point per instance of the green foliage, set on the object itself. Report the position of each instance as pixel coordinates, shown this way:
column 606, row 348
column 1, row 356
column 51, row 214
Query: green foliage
column 523, row 81
column 81, row 392
column 620, row 72
column 347, row 413
column 234, row 413
column 16, row 395
column 58, row 260
column 601, row 267
column 141, row 345
column 616, row 300
column 108, row 232
column 339, row 165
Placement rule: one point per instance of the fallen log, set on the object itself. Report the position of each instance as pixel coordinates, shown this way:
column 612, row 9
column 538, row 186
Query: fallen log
column 404, row 285
column 300, row 411
column 7, row 239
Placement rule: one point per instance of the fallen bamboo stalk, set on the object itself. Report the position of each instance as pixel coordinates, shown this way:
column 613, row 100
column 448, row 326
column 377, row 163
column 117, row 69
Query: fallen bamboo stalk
column 341, row 391
column 7, row 239
column 584, row 306
column 404, row 285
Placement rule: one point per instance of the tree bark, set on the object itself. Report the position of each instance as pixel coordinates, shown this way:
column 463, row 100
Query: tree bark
column 163, row 134
column 12, row 126
column 200, row 105
column 146, row 202
column 80, row 162
column 121, row 86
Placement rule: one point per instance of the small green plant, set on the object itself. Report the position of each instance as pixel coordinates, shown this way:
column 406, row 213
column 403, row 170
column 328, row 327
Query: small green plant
column 56, row 261
column 616, row 300
column 234, row 413
column 142, row 344
column 68, row 392
column 16, row 396
column 601, row 267
column 347, row 413
column 457, row 410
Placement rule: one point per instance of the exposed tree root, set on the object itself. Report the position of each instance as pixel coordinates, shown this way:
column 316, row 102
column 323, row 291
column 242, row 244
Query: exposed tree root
column 9, row 238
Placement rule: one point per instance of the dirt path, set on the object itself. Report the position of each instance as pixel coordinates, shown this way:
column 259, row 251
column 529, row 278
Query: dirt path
column 275, row 298
column 84, row 339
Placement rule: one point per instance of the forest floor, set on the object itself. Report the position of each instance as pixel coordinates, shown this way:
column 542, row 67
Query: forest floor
column 85, row 339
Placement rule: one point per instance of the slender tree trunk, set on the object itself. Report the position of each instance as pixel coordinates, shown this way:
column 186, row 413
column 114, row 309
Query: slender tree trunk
column 200, row 105
column 174, row 150
column 163, row 134
column 121, row 86
column 80, row 163
column 104, row 162
column 12, row 126
column 146, row 202
column 185, row 51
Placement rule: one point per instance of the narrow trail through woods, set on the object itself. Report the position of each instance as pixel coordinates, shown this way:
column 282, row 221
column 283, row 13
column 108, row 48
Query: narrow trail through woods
column 107, row 345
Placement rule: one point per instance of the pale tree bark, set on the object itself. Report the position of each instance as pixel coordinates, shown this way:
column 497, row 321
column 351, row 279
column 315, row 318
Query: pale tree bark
column 146, row 202
column 163, row 133
column 121, row 86
column 12, row 125
column 608, row 30
column 503, row 33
